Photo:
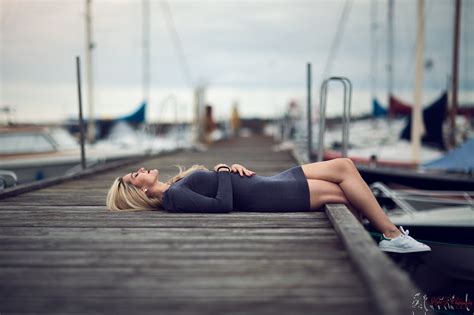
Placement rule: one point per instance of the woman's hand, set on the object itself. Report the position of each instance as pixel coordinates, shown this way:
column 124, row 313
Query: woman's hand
column 242, row 170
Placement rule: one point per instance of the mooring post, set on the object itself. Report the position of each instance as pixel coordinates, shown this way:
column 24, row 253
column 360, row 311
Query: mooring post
column 81, row 121
column 310, row 127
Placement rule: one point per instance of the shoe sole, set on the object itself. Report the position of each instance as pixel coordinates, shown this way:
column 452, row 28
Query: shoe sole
column 398, row 250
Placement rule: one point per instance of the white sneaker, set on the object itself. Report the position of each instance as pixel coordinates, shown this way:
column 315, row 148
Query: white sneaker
column 402, row 244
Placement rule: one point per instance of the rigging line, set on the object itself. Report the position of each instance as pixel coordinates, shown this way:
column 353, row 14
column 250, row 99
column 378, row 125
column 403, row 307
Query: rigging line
column 465, row 42
column 374, row 62
column 176, row 41
column 337, row 39
column 409, row 66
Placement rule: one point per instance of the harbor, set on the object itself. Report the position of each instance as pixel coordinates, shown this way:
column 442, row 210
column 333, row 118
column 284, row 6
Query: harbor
column 380, row 91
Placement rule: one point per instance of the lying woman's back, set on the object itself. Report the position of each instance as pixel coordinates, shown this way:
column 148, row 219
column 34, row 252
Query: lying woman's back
column 208, row 191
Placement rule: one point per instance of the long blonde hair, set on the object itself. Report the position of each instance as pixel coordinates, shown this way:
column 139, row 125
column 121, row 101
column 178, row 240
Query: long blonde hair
column 126, row 197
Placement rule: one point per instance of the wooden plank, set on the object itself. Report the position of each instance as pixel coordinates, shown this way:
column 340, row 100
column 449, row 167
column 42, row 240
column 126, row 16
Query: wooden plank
column 170, row 233
column 74, row 243
column 391, row 287
column 60, row 277
column 224, row 305
column 46, row 257
column 321, row 261
column 240, row 215
column 104, row 219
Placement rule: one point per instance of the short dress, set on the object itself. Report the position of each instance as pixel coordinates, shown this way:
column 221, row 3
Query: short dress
column 210, row 191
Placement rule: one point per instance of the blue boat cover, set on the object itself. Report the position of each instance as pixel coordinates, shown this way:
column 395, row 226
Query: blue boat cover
column 459, row 159
column 137, row 117
column 377, row 109
column 103, row 125
column 433, row 117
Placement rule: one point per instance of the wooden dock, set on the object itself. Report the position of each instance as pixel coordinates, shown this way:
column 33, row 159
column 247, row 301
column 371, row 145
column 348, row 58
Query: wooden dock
column 61, row 252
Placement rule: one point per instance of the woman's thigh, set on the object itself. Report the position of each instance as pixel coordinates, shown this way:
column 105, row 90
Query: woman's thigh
column 334, row 171
column 322, row 192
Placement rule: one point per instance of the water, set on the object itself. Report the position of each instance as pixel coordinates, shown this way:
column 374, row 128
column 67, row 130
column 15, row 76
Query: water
column 447, row 288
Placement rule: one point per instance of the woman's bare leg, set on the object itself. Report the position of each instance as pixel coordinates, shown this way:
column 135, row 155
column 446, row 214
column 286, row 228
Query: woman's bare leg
column 343, row 172
column 322, row 192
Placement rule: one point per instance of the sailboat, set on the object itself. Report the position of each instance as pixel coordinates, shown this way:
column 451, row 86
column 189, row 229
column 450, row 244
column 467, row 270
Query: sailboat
column 402, row 157
column 104, row 125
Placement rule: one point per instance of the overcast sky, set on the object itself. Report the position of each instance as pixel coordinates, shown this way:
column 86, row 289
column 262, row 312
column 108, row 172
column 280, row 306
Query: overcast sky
column 251, row 51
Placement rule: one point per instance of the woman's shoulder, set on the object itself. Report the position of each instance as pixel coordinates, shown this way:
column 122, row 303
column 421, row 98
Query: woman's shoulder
column 197, row 174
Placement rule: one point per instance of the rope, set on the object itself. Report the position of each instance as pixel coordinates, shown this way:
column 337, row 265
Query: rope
column 177, row 42
column 337, row 38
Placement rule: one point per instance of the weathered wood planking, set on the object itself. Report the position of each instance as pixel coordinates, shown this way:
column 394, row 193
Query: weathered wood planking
column 392, row 289
column 62, row 252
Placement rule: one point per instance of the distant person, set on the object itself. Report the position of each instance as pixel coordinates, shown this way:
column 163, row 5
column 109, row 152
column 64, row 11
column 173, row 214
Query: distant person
column 235, row 121
column 209, row 124
column 292, row 115
column 300, row 188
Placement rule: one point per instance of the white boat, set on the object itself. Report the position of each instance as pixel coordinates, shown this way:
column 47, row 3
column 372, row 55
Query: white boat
column 444, row 220
column 35, row 152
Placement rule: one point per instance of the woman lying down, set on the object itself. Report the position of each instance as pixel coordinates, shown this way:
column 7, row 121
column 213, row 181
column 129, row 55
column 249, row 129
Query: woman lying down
column 235, row 188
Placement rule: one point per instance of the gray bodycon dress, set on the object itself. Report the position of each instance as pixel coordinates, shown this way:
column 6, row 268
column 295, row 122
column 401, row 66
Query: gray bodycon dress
column 209, row 191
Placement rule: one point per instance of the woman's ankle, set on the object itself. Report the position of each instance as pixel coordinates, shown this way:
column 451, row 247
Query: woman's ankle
column 392, row 232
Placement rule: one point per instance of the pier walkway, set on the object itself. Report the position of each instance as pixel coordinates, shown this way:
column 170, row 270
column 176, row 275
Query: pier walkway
column 61, row 252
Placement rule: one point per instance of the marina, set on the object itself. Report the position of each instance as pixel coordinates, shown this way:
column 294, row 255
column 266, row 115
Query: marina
column 368, row 104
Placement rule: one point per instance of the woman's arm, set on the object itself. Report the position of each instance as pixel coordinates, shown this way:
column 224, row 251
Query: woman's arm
column 186, row 200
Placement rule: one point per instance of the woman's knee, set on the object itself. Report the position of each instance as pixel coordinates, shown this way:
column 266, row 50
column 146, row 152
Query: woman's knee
column 346, row 165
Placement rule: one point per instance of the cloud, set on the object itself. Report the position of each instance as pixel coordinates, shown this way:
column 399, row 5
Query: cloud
column 243, row 44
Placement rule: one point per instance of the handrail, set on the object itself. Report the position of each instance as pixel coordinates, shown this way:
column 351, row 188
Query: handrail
column 346, row 115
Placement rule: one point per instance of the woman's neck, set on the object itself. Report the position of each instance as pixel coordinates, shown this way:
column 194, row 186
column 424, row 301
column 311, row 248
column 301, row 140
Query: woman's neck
column 158, row 189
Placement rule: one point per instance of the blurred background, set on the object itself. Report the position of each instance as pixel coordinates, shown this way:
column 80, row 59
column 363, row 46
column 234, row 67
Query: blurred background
column 248, row 52
column 157, row 75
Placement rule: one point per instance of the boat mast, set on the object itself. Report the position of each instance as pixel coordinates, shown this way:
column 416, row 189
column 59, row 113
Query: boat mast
column 146, row 50
column 455, row 74
column 390, row 53
column 417, row 124
column 373, row 59
column 90, row 74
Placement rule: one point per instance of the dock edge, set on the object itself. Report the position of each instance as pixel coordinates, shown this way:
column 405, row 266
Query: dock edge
column 391, row 287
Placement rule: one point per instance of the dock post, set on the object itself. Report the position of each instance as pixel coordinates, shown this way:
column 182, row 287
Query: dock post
column 81, row 121
column 310, row 129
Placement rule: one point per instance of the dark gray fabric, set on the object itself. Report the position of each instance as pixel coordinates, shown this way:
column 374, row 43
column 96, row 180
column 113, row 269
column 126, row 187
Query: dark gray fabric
column 208, row 191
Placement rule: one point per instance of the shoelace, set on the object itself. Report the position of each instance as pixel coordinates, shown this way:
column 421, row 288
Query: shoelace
column 404, row 233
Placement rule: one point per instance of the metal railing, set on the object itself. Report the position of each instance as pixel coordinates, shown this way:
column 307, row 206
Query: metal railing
column 346, row 115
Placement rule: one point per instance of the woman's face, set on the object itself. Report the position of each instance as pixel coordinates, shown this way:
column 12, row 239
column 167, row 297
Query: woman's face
column 142, row 178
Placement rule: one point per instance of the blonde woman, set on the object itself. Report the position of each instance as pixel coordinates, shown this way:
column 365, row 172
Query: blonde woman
column 228, row 188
